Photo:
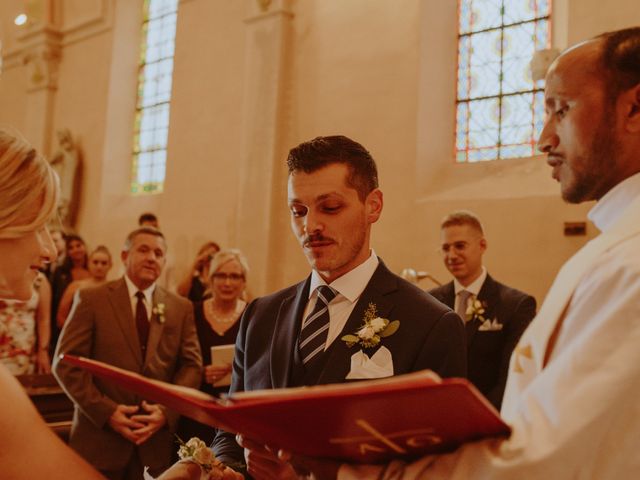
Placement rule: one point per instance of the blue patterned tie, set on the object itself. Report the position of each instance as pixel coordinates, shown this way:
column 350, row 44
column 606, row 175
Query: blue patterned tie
column 315, row 327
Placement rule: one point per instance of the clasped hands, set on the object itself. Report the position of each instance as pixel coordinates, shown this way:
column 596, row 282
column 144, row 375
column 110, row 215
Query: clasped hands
column 137, row 423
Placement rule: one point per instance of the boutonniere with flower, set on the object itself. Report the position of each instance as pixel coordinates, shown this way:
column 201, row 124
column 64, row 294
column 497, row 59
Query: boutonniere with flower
column 158, row 311
column 476, row 310
column 195, row 450
column 373, row 329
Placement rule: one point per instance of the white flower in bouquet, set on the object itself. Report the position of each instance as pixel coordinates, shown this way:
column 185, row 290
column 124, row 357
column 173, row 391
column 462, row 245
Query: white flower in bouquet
column 367, row 332
column 372, row 330
column 378, row 324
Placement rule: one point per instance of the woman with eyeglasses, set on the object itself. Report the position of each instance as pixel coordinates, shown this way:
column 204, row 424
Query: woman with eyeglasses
column 29, row 195
column 217, row 321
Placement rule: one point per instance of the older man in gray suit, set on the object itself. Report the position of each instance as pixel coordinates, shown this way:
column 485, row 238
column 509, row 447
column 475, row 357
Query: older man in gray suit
column 133, row 324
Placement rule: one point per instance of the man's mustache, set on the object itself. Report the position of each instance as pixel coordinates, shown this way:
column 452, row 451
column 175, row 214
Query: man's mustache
column 315, row 238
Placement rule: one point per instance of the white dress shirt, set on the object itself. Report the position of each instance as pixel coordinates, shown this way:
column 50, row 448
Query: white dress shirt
column 573, row 404
column 349, row 287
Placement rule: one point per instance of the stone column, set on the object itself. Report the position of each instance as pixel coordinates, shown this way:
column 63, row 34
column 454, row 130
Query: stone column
column 41, row 49
column 262, row 219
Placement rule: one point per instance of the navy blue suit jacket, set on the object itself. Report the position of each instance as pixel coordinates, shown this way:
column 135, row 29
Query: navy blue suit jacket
column 431, row 336
column 489, row 352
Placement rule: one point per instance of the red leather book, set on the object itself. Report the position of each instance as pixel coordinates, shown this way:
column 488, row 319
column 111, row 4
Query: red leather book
column 368, row 421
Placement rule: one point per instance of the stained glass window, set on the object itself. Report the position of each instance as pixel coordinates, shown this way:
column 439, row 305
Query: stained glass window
column 500, row 107
column 155, row 71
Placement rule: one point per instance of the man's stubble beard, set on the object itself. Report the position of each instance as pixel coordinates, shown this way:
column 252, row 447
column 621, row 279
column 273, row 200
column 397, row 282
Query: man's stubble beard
column 596, row 177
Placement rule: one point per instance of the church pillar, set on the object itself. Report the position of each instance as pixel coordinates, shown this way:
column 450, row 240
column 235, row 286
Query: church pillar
column 41, row 54
column 262, row 220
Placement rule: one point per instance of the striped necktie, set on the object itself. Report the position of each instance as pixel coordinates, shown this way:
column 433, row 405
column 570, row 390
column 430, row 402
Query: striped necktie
column 315, row 327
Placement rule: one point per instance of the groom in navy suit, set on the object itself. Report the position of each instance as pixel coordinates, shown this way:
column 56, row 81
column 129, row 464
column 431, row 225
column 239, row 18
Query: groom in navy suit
column 294, row 337
column 495, row 315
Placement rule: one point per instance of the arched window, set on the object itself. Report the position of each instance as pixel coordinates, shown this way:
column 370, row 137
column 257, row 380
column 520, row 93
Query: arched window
column 500, row 108
column 151, row 127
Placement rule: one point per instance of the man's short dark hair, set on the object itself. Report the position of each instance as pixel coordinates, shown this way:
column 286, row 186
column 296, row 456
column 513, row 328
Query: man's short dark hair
column 462, row 217
column 315, row 154
column 147, row 217
column 139, row 231
column 620, row 60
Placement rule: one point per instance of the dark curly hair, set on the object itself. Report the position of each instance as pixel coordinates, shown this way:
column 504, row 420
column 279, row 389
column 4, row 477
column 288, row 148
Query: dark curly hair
column 315, row 154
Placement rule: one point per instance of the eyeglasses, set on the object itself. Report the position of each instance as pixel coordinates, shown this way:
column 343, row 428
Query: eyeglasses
column 223, row 277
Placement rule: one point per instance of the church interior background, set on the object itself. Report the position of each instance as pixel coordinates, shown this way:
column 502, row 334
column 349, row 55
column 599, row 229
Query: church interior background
column 239, row 82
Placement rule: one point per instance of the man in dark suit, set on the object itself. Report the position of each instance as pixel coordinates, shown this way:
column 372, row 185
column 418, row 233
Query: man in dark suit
column 495, row 315
column 294, row 337
column 133, row 324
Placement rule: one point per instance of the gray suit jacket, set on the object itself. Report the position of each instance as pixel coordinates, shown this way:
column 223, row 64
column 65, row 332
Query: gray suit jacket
column 101, row 326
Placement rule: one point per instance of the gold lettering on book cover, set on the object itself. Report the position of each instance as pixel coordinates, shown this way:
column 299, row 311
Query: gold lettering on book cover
column 397, row 442
column 521, row 351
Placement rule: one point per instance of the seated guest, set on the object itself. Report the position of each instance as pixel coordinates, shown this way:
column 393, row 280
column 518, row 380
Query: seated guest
column 196, row 282
column 25, row 331
column 495, row 315
column 99, row 266
column 217, row 322
column 29, row 194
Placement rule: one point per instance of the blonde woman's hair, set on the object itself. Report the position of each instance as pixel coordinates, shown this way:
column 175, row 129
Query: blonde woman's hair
column 226, row 255
column 29, row 187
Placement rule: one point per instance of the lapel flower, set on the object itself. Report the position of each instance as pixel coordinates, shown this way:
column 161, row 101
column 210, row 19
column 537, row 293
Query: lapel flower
column 476, row 310
column 197, row 451
column 373, row 329
column 158, row 311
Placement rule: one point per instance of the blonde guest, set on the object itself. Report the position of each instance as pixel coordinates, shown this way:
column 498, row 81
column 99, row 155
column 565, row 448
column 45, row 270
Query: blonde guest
column 217, row 323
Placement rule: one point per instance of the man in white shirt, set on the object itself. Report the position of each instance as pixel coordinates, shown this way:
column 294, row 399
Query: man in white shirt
column 574, row 380
column 495, row 315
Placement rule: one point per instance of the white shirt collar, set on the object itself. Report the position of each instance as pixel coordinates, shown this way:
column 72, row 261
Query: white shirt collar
column 148, row 292
column 613, row 204
column 351, row 284
column 474, row 287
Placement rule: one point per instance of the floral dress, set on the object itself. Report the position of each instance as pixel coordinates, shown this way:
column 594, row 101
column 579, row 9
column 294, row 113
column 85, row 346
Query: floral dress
column 18, row 333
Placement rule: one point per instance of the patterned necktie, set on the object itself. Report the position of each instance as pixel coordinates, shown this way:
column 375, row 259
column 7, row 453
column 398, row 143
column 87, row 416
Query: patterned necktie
column 142, row 322
column 463, row 300
column 315, row 327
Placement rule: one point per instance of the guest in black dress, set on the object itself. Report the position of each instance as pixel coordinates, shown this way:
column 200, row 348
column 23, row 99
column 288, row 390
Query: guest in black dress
column 217, row 322
column 73, row 268
column 194, row 284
